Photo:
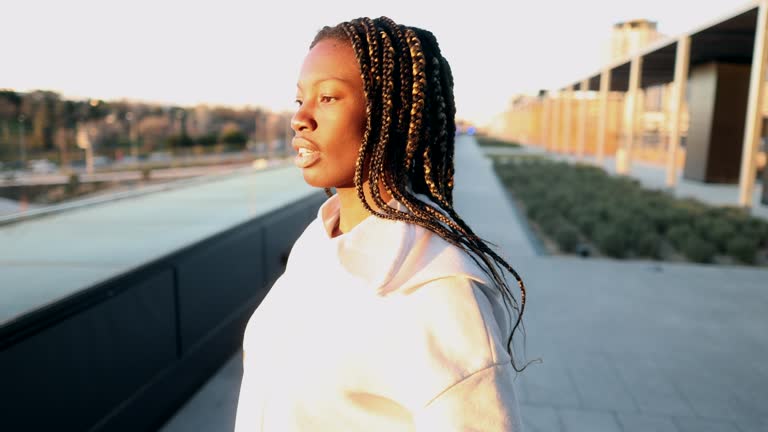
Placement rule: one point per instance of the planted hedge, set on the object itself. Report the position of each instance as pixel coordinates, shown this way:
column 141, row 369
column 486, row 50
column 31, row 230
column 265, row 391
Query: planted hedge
column 579, row 206
column 486, row 141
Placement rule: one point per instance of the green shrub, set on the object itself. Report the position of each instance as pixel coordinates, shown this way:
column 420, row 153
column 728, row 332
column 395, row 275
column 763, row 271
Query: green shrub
column 585, row 218
column 486, row 141
column 535, row 210
column 727, row 212
column 621, row 218
column 678, row 235
column 647, row 244
column 549, row 222
column 757, row 229
column 667, row 217
column 698, row 249
column 567, row 238
column 742, row 248
column 716, row 230
column 611, row 241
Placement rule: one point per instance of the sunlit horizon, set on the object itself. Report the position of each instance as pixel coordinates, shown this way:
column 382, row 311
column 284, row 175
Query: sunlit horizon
column 189, row 54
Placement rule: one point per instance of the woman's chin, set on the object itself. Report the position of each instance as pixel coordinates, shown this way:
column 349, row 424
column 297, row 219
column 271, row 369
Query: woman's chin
column 314, row 179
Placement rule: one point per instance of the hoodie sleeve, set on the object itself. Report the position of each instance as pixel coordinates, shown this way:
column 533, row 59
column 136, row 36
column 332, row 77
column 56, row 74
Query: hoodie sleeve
column 483, row 401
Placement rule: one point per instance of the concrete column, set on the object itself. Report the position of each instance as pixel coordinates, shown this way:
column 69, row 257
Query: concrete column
column 554, row 141
column 530, row 107
column 602, row 119
column 682, row 60
column 582, row 131
column 512, row 129
column 546, row 120
column 753, row 125
column 567, row 118
column 624, row 154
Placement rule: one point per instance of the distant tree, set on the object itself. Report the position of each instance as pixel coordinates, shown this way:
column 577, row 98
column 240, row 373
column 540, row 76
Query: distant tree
column 234, row 138
column 209, row 139
column 42, row 127
column 97, row 109
column 233, row 135
column 10, row 104
column 179, row 141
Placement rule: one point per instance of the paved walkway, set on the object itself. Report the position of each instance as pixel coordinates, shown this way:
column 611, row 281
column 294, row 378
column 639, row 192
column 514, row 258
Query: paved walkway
column 626, row 346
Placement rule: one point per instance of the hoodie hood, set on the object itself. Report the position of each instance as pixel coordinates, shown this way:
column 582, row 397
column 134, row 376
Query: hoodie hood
column 395, row 256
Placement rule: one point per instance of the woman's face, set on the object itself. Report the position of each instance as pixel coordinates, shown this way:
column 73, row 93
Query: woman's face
column 330, row 120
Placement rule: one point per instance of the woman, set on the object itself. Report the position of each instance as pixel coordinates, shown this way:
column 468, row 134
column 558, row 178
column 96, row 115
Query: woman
column 391, row 314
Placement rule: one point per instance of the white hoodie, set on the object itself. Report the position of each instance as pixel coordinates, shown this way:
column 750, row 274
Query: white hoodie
column 385, row 328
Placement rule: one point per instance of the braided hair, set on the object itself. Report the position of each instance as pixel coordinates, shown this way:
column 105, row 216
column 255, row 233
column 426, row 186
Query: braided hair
column 408, row 143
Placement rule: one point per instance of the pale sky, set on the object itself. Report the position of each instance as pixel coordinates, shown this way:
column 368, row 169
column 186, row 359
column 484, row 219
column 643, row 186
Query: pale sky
column 249, row 52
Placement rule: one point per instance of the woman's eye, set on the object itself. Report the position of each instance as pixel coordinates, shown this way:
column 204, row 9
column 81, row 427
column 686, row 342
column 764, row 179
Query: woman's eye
column 326, row 99
column 298, row 102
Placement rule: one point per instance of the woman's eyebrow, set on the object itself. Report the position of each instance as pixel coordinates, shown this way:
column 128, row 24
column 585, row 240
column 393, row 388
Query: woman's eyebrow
column 316, row 82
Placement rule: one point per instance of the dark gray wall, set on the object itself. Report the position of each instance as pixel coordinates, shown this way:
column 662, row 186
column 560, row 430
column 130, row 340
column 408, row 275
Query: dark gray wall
column 126, row 354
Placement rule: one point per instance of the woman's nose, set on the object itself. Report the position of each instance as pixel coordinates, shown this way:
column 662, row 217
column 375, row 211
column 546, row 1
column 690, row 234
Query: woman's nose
column 301, row 120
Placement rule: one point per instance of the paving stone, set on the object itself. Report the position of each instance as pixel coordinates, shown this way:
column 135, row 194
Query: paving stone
column 540, row 418
column 652, row 391
column 576, row 420
column 601, row 388
column 549, row 385
column 752, row 424
column 646, row 423
column 687, row 424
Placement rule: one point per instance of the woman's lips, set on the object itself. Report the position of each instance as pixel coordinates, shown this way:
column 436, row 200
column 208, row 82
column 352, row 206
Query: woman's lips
column 307, row 152
column 306, row 157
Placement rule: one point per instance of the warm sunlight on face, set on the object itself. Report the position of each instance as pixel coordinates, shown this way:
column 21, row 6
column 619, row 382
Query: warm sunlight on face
column 330, row 119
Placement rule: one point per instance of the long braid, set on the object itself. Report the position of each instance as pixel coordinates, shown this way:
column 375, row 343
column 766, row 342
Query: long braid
column 441, row 116
column 374, row 53
column 450, row 105
column 416, row 130
column 398, row 37
column 351, row 32
column 364, row 156
column 409, row 142
column 379, row 152
column 442, row 135
column 379, row 54
column 417, row 103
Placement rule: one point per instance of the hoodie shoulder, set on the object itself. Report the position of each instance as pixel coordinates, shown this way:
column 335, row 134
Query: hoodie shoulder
column 429, row 257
